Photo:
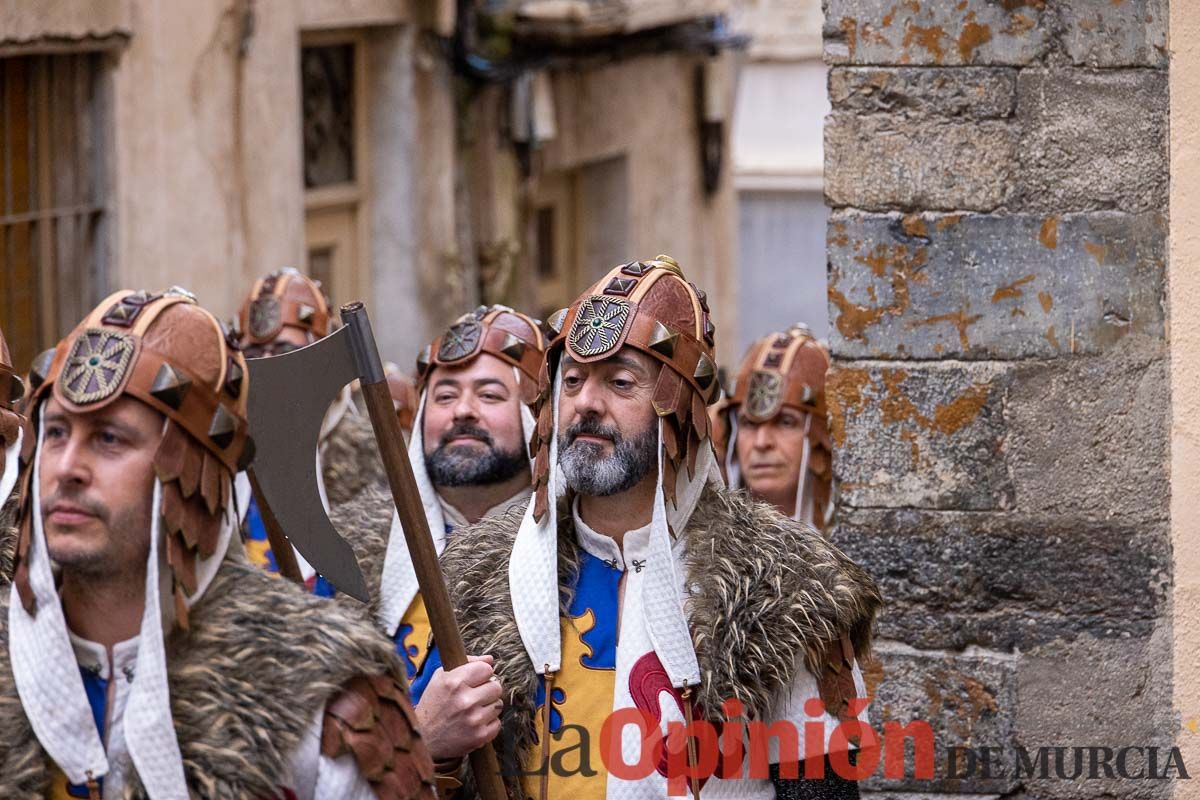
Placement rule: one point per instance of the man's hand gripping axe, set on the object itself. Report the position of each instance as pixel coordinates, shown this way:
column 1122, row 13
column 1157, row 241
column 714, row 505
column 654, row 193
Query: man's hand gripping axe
column 289, row 395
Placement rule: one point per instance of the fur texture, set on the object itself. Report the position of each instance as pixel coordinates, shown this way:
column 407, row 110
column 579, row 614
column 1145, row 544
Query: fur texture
column 350, row 460
column 260, row 659
column 366, row 523
column 768, row 593
column 8, row 539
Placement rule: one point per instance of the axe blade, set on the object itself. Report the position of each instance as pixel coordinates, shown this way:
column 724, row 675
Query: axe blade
column 289, row 395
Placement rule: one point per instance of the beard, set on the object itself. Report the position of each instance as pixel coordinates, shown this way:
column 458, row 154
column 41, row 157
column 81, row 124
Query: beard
column 592, row 474
column 463, row 465
column 122, row 549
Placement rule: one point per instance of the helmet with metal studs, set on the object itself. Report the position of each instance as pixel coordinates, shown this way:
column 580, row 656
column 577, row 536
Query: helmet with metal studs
column 787, row 370
column 285, row 298
column 650, row 306
column 169, row 353
column 497, row 330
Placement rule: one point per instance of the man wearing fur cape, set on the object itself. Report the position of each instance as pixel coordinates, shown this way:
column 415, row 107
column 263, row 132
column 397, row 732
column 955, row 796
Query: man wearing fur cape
column 155, row 662
column 636, row 584
column 469, row 457
column 10, row 447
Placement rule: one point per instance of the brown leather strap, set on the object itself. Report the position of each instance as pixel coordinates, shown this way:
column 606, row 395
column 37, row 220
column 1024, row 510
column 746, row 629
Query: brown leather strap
column 546, row 711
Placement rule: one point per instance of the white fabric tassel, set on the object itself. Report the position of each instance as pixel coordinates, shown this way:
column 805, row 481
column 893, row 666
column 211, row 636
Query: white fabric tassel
column 44, row 666
column 11, row 465
column 149, row 729
column 800, row 512
column 533, row 569
column 662, row 603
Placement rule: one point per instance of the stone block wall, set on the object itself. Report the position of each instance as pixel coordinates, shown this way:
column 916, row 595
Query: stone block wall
column 999, row 404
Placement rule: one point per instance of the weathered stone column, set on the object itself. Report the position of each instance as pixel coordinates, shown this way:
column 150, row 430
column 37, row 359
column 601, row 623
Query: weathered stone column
column 997, row 253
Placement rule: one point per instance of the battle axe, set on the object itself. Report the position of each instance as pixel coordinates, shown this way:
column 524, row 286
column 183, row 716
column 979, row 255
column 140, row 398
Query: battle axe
column 289, row 395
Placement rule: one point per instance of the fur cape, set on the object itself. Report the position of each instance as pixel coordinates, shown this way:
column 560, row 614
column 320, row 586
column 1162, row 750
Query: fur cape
column 8, row 538
column 350, row 460
column 258, row 661
column 769, row 594
column 366, row 523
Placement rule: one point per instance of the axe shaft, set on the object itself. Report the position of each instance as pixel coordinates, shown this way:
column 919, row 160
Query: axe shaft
column 411, row 511
column 281, row 548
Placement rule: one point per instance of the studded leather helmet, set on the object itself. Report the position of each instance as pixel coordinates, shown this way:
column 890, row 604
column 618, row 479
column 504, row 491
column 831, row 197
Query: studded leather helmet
column 404, row 395
column 11, row 390
column 787, row 370
column 285, row 298
column 169, row 353
column 648, row 305
column 496, row 330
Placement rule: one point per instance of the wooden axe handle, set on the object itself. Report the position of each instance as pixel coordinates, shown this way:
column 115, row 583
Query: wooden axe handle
column 411, row 510
column 281, row 547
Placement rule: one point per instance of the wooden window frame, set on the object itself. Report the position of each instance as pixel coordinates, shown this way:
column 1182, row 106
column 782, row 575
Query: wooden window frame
column 355, row 194
column 54, row 134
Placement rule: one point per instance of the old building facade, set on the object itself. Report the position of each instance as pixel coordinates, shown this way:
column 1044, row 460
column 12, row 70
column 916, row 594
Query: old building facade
column 416, row 153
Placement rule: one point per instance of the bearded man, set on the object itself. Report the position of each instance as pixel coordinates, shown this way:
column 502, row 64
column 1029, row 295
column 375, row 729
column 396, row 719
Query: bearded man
column 635, row 583
column 469, row 458
column 11, row 390
column 145, row 657
column 776, row 439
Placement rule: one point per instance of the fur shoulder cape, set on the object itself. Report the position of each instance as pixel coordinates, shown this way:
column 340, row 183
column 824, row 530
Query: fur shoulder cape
column 350, row 460
column 366, row 523
column 246, row 679
column 8, row 539
column 769, row 595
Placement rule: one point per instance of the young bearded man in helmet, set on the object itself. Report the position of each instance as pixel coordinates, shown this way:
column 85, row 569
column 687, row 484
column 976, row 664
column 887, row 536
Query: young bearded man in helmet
column 635, row 583
column 152, row 661
column 10, row 447
column 773, row 432
column 470, row 459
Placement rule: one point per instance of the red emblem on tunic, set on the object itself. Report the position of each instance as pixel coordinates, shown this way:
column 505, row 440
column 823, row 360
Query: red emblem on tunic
column 647, row 681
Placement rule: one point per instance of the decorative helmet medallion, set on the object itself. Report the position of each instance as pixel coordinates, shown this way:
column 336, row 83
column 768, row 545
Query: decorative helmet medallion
column 96, row 366
column 598, row 326
column 765, row 395
column 265, row 317
column 460, row 341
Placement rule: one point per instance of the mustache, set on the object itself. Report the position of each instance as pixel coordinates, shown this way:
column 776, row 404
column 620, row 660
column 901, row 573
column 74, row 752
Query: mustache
column 592, row 427
column 465, row 429
column 93, row 507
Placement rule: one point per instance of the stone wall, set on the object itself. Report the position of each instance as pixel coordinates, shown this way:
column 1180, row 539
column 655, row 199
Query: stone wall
column 1000, row 403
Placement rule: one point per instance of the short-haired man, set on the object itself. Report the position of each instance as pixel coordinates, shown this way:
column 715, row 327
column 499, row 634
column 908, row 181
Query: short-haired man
column 10, row 447
column 777, row 442
column 469, row 455
column 154, row 661
column 648, row 588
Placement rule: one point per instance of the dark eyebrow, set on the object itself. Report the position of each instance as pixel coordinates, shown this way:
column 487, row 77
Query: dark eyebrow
column 629, row 362
column 446, row 382
column 481, row 382
column 101, row 418
column 126, row 430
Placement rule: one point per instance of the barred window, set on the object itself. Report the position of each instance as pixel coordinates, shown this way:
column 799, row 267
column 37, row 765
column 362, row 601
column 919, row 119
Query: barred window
column 53, row 196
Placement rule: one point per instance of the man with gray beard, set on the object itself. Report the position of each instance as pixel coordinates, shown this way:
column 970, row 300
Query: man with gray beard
column 637, row 595
column 469, row 457
column 589, row 473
